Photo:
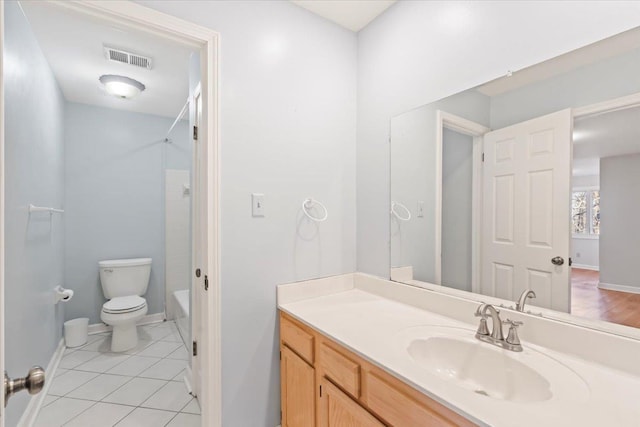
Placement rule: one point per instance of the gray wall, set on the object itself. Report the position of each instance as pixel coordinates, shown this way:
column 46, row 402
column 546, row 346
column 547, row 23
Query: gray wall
column 457, row 197
column 413, row 177
column 34, row 159
column 619, row 234
column 288, row 130
column 410, row 56
column 114, row 198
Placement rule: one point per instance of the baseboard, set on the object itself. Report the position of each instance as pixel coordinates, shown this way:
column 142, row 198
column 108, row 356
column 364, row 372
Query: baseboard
column 30, row 414
column 620, row 288
column 586, row 267
column 98, row 328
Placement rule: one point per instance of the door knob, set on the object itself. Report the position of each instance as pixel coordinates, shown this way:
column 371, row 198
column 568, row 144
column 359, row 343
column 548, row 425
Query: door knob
column 33, row 383
column 557, row 260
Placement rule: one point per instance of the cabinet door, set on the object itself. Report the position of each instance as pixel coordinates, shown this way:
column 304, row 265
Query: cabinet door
column 339, row 410
column 297, row 381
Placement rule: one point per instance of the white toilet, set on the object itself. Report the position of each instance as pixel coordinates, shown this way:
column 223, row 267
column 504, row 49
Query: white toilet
column 124, row 281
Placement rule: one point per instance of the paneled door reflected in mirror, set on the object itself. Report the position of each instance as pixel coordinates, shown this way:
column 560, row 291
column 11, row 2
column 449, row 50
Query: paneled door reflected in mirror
column 504, row 185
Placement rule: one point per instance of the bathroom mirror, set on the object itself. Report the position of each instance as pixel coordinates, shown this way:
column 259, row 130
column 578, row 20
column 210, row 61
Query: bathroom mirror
column 500, row 188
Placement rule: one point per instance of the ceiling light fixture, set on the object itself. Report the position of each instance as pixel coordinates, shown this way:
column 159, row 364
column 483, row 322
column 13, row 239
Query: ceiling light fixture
column 121, row 86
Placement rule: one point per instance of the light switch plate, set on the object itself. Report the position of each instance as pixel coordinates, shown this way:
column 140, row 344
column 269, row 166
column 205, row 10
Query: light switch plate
column 257, row 204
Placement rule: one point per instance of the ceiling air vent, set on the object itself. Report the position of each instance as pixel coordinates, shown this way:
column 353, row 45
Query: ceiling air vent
column 124, row 57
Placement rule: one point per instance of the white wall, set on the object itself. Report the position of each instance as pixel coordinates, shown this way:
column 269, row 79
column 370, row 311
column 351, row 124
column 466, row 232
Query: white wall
column 418, row 52
column 34, row 173
column 114, row 199
column 288, row 117
column 619, row 233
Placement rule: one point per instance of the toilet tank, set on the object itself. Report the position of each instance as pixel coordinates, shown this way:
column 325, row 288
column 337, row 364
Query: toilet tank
column 124, row 277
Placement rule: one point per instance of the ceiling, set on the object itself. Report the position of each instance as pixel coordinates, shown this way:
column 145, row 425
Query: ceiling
column 607, row 48
column 73, row 45
column 353, row 15
column 616, row 133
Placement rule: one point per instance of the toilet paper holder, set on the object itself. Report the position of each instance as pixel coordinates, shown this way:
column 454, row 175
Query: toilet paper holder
column 61, row 294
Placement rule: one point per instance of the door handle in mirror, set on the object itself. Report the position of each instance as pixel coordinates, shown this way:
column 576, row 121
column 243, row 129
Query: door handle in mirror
column 33, row 383
column 557, row 260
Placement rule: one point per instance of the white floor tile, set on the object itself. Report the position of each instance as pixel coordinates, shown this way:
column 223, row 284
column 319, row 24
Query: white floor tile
column 165, row 369
column 135, row 391
column 180, row 354
column 103, row 363
column 142, row 344
column 192, row 407
column 172, row 396
column 49, row 399
column 152, row 333
column 133, row 365
column 59, row 371
column 144, row 417
column 100, row 415
column 99, row 387
column 61, row 411
column 180, row 376
column 172, row 337
column 99, row 343
column 185, row 420
column 77, row 358
column 69, row 381
column 159, row 349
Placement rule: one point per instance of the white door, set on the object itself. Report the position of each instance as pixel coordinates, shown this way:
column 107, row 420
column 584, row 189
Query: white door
column 526, row 180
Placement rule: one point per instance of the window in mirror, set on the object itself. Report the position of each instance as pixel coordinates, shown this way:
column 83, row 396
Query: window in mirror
column 585, row 212
column 579, row 212
column 595, row 212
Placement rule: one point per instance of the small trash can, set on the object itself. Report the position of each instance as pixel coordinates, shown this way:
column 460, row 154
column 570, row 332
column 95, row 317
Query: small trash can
column 75, row 332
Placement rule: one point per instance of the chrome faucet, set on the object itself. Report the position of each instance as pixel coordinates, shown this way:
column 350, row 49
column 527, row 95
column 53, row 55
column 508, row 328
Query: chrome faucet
column 527, row 293
column 496, row 337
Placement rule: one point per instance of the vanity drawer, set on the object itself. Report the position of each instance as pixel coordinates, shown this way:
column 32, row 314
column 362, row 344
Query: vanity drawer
column 400, row 405
column 340, row 369
column 297, row 338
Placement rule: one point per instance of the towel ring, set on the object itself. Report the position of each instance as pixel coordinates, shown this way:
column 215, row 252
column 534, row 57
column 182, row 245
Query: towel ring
column 397, row 215
column 308, row 204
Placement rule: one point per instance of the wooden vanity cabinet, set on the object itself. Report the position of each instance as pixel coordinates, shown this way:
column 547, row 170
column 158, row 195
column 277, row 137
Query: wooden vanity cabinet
column 297, row 390
column 325, row 385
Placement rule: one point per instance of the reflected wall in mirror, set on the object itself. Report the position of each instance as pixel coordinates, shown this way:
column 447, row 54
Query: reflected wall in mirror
column 500, row 188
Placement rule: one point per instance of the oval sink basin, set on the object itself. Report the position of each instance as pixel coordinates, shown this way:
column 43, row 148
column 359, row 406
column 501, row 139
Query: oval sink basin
column 477, row 367
column 456, row 357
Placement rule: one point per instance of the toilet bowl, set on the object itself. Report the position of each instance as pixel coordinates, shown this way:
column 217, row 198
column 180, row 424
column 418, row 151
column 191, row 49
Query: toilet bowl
column 124, row 281
column 123, row 314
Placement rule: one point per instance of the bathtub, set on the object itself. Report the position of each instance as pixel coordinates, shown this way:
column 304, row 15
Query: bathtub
column 181, row 299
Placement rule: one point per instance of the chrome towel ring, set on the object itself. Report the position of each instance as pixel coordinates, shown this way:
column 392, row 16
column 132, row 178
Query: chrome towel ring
column 407, row 217
column 307, row 204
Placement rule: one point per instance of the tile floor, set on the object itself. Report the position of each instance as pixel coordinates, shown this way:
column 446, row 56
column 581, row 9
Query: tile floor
column 141, row 387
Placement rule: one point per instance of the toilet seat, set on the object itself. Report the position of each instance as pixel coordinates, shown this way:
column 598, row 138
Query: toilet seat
column 124, row 304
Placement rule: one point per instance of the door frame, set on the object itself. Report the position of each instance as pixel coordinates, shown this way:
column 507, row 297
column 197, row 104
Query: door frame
column 459, row 124
column 208, row 43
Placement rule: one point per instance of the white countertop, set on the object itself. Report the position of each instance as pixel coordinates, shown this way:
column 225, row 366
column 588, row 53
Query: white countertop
column 372, row 326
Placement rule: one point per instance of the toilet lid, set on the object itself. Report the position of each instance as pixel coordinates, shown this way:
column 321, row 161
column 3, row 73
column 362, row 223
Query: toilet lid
column 124, row 304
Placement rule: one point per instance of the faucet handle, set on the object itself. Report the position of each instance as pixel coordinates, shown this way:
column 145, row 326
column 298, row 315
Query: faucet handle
column 483, row 329
column 512, row 336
